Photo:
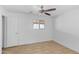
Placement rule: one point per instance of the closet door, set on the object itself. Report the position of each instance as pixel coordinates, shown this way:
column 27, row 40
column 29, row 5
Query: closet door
column 23, row 32
column 21, row 36
column 12, row 31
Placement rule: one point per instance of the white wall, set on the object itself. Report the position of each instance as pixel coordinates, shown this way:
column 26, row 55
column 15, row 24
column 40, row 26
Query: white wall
column 67, row 29
column 20, row 29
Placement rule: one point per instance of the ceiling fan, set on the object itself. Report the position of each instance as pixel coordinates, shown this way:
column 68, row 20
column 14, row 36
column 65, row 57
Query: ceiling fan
column 46, row 11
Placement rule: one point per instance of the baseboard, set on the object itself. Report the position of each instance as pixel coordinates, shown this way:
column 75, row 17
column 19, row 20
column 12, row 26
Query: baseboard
column 65, row 46
column 30, row 43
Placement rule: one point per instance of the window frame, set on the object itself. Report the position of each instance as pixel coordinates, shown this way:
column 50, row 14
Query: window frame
column 39, row 22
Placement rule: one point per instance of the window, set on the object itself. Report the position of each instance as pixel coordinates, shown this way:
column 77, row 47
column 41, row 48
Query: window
column 42, row 26
column 35, row 26
column 39, row 24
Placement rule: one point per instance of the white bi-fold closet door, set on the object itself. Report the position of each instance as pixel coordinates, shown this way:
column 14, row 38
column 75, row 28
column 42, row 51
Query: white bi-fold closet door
column 16, row 29
column 11, row 31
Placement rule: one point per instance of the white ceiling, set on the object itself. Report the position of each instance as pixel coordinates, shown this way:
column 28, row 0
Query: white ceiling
column 34, row 8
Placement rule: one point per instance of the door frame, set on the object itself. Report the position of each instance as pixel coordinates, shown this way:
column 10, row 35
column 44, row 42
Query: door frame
column 4, row 31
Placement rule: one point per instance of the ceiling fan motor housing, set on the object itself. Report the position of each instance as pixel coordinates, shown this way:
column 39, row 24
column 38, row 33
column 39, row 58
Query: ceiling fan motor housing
column 41, row 11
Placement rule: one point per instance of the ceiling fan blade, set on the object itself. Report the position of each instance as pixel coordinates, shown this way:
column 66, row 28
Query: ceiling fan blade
column 47, row 14
column 50, row 9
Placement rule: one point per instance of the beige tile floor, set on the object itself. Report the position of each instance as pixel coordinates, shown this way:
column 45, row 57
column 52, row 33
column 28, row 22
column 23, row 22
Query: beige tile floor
column 47, row 47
